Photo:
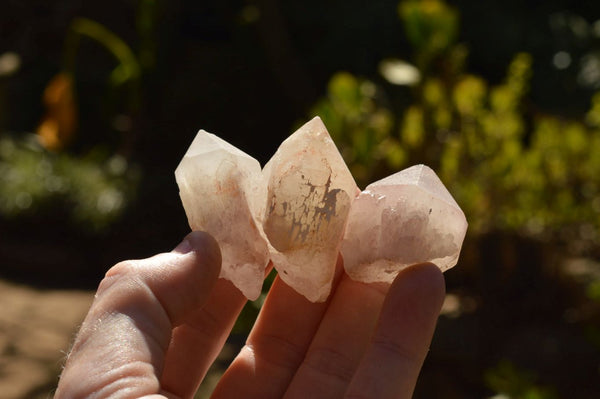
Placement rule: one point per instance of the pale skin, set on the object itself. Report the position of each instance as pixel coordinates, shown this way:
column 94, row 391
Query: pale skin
column 157, row 324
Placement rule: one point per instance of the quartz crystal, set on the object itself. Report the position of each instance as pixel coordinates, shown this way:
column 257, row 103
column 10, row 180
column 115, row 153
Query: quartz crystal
column 404, row 219
column 303, row 208
column 223, row 193
column 310, row 190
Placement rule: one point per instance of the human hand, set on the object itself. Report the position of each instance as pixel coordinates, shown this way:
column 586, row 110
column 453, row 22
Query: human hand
column 156, row 325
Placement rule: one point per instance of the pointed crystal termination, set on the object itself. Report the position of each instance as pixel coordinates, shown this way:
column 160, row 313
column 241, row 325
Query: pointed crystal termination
column 404, row 219
column 310, row 190
column 222, row 191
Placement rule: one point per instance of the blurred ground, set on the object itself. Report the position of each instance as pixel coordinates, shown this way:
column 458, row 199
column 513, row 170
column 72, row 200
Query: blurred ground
column 36, row 329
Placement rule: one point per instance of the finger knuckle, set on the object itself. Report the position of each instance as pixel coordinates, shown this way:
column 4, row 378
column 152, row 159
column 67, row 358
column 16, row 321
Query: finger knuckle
column 331, row 363
column 121, row 268
column 395, row 348
column 118, row 272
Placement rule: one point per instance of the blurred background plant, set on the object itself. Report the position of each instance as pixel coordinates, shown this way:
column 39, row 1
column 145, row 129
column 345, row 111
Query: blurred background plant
column 511, row 382
column 95, row 182
column 95, row 188
column 511, row 168
column 523, row 176
column 98, row 102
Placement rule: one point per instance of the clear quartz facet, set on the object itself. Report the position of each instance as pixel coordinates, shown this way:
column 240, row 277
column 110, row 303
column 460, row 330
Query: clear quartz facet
column 310, row 191
column 401, row 220
column 223, row 192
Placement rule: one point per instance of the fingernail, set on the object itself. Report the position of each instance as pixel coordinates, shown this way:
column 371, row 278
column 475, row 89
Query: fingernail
column 184, row 247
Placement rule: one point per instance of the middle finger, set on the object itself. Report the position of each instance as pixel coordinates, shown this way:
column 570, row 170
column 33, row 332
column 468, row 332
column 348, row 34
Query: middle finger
column 340, row 342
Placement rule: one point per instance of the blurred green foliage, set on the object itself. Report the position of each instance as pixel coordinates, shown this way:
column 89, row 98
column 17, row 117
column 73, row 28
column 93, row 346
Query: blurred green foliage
column 127, row 72
column 431, row 26
column 359, row 125
column 94, row 189
column 39, row 172
column 513, row 383
column 510, row 169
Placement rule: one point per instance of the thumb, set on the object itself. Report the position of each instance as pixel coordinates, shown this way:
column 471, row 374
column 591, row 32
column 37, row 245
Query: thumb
column 121, row 346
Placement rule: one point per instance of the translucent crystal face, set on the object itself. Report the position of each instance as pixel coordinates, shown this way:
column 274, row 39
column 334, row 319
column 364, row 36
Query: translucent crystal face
column 404, row 219
column 310, row 190
column 222, row 191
